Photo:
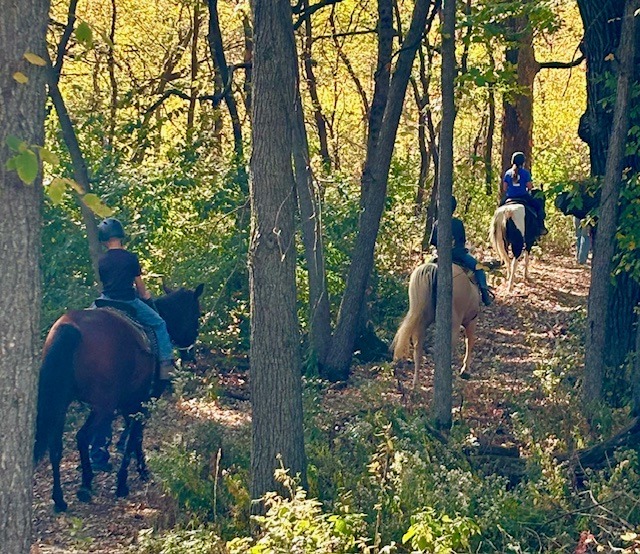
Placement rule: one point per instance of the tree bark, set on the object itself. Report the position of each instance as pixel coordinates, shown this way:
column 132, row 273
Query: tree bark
column 607, row 216
column 23, row 29
column 442, row 379
column 191, row 110
column 276, row 388
column 517, row 119
column 374, row 187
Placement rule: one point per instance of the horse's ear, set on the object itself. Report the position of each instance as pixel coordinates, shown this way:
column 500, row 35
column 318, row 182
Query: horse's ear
column 198, row 290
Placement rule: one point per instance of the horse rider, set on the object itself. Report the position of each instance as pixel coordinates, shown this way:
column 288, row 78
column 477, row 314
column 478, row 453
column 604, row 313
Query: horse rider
column 121, row 277
column 461, row 254
column 517, row 184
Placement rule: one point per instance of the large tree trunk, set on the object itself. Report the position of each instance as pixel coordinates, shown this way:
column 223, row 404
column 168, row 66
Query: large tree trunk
column 276, row 388
column 607, row 215
column 517, row 119
column 22, row 29
column 602, row 23
column 442, row 379
column 374, row 188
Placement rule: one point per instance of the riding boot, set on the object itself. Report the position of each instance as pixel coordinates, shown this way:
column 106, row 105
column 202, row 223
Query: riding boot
column 165, row 373
column 486, row 296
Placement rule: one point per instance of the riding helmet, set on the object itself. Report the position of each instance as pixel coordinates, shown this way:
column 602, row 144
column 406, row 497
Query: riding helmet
column 518, row 159
column 110, row 228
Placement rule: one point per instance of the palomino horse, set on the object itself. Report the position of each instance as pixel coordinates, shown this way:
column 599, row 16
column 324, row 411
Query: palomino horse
column 98, row 357
column 422, row 313
column 515, row 226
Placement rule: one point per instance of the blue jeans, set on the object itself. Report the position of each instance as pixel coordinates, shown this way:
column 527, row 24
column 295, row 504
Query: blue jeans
column 150, row 318
column 468, row 261
column 583, row 241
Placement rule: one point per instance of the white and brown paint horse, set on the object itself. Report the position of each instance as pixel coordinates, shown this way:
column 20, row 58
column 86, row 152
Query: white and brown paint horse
column 422, row 313
column 513, row 231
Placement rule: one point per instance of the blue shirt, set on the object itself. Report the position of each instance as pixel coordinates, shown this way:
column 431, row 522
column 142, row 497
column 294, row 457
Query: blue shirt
column 519, row 189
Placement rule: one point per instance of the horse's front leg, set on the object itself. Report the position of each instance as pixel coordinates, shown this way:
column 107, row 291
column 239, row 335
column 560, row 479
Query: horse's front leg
column 83, row 440
column 135, row 436
column 143, row 471
column 470, row 340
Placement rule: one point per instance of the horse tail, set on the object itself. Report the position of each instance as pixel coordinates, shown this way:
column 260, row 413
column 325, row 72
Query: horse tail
column 506, row 230
column 55, row 384
column 422, row 286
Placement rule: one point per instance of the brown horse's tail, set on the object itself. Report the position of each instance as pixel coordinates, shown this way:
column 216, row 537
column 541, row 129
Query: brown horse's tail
column 421, row 309
column 55, row 385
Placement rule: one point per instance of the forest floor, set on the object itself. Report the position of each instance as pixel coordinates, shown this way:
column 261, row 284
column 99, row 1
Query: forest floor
column 516, row 336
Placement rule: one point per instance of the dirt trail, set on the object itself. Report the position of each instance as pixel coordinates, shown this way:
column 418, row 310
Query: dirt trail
column 515, row 336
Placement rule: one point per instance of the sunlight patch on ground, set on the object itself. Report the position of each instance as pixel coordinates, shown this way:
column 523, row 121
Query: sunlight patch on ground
column 200, row 408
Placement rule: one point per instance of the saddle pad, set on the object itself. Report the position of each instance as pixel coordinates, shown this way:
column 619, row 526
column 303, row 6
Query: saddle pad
column 145, row 335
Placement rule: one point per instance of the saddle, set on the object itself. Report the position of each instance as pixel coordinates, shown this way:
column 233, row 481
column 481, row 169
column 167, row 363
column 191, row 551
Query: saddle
column 459, row 269
column 126, row 313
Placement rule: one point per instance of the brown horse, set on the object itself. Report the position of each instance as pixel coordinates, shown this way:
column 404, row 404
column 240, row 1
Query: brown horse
column 422, row 313
column 98, row 357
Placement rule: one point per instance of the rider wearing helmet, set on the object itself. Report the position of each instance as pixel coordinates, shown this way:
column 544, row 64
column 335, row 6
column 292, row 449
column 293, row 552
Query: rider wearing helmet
column 461, row 254
column 121, row 277
column 517, row 184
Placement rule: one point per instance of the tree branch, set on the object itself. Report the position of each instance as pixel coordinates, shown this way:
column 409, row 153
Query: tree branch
column 562, row 65
column 313, row 9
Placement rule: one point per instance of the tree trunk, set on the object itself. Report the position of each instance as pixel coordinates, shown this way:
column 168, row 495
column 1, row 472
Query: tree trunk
column 607, row 216
column 311, row 218
column 374, row 188
column 276, row 388
column 442, row 379
column 80, row 171
column 111, row 64
column 191, row 110
column 517, row 119
column 23, row 29
column 321, row 124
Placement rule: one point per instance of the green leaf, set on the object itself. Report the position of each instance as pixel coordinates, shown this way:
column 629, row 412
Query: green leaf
column 48, row 156
column 34, row 59
column 13, row 142
column 84, row 34
column 56, row 190
column 93, row 202
column 27, row 166
column 11, row 164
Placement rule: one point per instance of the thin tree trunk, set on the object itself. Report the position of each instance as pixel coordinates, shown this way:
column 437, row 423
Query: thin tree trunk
column 248, row 58
column 276, row 388
column 309, row 205
column 80, row 171
column 217, row 52
column 374, row 188
column 111, row 64
column 607, row 217
column 312, row 85
column 442, row 379
column 23, row 28
column 191, row 111
column 488, row 149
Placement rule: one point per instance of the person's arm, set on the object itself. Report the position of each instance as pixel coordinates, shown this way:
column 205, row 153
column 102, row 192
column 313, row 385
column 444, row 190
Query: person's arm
column 143, row 293
column 529, row 183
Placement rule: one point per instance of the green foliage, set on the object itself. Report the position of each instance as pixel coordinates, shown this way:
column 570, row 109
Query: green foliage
column 439, row 534
column 201, row 540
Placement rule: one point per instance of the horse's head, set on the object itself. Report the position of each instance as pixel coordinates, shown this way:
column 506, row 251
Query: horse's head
column 181, row 310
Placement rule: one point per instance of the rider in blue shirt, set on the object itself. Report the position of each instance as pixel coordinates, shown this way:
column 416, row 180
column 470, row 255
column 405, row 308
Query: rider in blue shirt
column 516, row 184
column 461, row 254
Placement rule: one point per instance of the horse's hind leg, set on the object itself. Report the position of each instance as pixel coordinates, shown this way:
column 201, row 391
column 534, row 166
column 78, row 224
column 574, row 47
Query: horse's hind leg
column 143, row 471
column 96, row 420
column 418, row 352
column 55, row 455
column 470, row 340
column 512, row 273
column 526, row 265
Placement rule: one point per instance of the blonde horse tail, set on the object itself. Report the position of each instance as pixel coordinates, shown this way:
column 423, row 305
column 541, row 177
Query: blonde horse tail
column 421, row 309
column 497, row 233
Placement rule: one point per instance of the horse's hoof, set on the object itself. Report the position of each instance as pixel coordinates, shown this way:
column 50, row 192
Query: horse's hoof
column 84, row 494
column 465, row 375
column 60, row 506
column 122, row 491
